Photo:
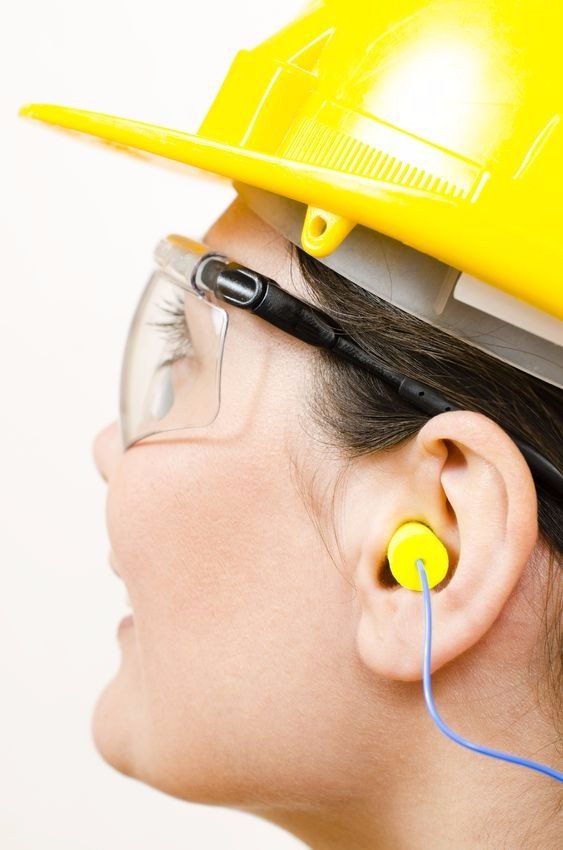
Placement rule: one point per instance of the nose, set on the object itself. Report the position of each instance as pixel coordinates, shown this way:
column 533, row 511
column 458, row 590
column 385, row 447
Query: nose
column 106, row 449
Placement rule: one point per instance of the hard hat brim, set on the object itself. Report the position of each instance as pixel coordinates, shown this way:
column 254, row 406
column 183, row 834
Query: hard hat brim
column 427, row 224
column 287, row 177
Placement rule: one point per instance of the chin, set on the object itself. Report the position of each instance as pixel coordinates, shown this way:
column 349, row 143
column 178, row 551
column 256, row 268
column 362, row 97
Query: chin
column 171, row 757
column 121, row 736
column 123, row 739
column 115, row 719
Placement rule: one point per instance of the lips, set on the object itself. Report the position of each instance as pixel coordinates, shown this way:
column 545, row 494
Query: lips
column 125, row 623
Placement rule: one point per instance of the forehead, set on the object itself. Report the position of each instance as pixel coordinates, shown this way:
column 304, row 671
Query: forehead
column 242, row 236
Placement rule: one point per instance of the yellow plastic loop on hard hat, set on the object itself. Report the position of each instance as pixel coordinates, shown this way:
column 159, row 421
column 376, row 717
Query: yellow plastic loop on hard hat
column 323, row 231
column 411, row 541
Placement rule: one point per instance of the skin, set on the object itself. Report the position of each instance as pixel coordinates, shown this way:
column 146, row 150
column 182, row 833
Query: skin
column 268, row 668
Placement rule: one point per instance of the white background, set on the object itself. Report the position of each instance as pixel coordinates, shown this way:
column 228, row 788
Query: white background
column 77, row 228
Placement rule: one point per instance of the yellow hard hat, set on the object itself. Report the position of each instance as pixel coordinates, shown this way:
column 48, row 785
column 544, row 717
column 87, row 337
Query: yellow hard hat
column 437, row 124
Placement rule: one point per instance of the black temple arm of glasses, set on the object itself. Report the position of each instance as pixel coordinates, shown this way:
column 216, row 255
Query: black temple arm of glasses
column 252, row 291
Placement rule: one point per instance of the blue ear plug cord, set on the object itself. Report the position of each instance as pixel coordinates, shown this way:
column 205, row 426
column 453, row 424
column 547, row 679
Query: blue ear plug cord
column 449, row 733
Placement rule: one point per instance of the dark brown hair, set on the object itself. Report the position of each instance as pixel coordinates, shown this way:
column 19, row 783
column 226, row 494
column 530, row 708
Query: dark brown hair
column 360, row 414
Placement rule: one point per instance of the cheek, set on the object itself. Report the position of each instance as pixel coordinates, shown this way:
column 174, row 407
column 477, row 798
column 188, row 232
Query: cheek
column 237, row 609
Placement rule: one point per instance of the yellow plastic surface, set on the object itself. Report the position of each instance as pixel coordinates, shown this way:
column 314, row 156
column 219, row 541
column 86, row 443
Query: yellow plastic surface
column 436, row 123
column 414, row 540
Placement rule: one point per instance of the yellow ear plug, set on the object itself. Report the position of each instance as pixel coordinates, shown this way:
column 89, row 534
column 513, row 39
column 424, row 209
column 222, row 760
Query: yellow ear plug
column 414, row 540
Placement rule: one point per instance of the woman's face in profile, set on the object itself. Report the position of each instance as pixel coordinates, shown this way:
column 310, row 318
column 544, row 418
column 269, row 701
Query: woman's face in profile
column 239, row 681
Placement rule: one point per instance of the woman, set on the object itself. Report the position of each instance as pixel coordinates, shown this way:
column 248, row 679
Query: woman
column 273, row 662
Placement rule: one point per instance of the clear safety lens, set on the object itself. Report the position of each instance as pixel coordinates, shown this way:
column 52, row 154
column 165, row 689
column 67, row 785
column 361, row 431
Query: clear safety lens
column 170, row 378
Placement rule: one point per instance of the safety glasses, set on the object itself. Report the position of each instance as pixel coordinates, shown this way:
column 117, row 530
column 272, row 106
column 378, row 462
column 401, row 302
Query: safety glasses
column 171, row 372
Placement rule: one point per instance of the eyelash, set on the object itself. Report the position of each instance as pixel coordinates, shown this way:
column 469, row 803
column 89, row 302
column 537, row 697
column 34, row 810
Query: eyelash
column 175, row 328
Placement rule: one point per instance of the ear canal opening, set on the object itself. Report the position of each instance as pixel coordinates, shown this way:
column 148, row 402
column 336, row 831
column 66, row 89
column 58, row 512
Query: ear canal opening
column 385, row 577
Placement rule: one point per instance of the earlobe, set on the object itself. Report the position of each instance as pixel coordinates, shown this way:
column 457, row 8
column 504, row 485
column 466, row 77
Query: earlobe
column 469, row 483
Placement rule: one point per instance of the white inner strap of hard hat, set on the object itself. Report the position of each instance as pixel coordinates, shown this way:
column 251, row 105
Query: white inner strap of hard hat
column 482, row 296
column 482, row 316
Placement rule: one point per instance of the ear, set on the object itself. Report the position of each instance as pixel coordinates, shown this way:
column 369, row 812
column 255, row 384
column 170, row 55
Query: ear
column 466, row 479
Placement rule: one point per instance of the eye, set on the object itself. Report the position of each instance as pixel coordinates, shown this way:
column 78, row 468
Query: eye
column 173, row 325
